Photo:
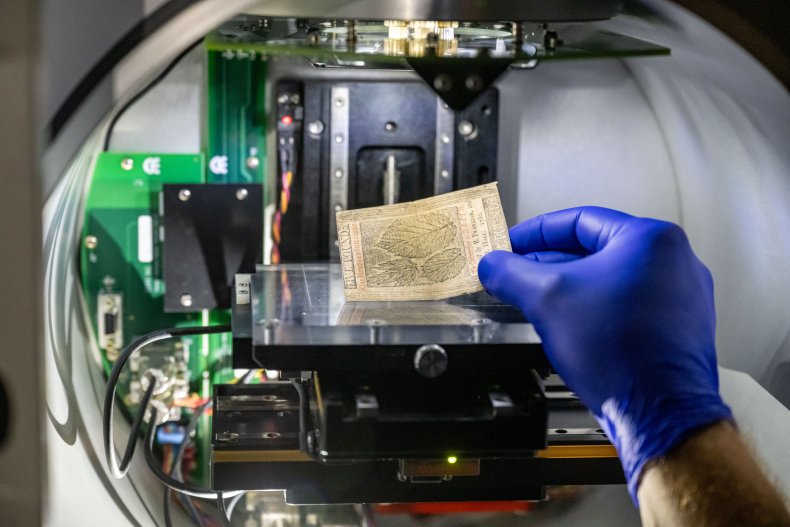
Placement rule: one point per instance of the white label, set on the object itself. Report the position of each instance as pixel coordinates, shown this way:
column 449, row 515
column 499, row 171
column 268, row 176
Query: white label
column 145, row 239
column 243, row 283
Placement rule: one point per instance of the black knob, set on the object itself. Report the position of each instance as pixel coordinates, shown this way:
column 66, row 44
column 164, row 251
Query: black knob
column 430, row 360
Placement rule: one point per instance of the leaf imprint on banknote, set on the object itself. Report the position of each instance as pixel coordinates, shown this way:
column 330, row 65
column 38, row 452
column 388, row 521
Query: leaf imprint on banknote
column 427, row 249
column 423, row 247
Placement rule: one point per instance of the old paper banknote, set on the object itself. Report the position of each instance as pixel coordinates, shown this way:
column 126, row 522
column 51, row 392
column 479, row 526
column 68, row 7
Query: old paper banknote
column 421, row 250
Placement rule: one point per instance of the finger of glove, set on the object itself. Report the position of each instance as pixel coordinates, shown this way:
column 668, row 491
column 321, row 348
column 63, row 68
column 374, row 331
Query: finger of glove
column 549, row 257
column 580, row 229
column 514, row 279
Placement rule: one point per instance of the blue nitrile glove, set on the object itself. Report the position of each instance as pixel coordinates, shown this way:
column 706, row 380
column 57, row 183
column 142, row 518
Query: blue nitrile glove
column 625, row 311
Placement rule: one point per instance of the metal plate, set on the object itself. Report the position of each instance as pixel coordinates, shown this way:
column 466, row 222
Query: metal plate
column 212, row 232
column 355, row 45
column 538, row 10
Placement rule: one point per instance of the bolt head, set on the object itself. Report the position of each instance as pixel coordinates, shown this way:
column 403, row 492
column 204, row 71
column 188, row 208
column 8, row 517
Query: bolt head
column 91, row 242
column 442, row 82
column 315, row 127
column 227, row 437
column 184, row 194
column 253, row 162
column 242, row 194
column 466, row 128
column 127, row 163
column 474, row 83
column 186, row 300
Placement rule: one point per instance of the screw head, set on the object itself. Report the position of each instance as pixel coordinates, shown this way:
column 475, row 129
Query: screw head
column 127, row 163
column 338, row 207
column 474, row 83
column 390, row 126
column 315, row 127
column 442, row 82
column 338, row 138
column 91, row 242
column 227, row 437
column 184, row 194
column 186, row 300
column 242, row 194
column 445, row 174
column 253, row 162
column 466, row 128
column 339, row 102
column 338, row 173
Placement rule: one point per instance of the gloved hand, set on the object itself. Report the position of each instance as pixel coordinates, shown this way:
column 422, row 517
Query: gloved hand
column 625, row 311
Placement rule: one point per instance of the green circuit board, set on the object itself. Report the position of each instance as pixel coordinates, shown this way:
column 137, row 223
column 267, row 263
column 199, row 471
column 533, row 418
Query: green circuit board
column 122, row 244
column 121, row 268
column 235, row 116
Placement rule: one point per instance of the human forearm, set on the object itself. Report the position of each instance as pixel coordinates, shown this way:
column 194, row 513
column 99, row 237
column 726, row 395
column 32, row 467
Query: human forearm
column 710, row 479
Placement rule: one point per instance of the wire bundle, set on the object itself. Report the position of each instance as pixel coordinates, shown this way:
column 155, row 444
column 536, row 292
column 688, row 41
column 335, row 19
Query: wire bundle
column 119, row 470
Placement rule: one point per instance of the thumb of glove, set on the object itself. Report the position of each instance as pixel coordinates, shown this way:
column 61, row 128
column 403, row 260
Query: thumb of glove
column 518, row 280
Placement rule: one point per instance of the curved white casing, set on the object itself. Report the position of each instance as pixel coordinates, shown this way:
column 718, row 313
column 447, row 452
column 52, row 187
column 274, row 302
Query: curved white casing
column 699, row 138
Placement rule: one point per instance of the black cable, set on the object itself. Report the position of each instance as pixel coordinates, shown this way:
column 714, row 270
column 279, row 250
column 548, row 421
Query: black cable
column 112, row 382
column 304, row 410
column 304, row 416
column 137, row 424
column 223, row 513
column 174, row 484
column 139, row 95
column 175, row 467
